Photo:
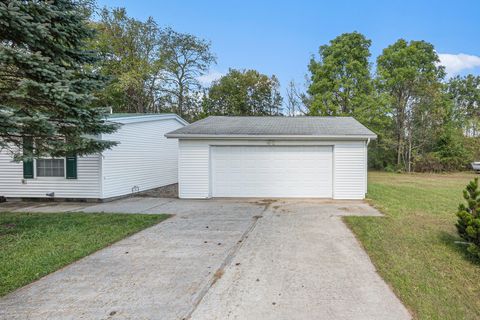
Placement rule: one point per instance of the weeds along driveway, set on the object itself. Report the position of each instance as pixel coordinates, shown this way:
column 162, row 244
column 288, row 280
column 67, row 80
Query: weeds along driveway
column 218, row 259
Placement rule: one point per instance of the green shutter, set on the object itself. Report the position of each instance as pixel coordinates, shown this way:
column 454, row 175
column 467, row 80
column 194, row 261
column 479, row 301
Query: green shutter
column 27, row 164
column 71, row 162
column 27, row 169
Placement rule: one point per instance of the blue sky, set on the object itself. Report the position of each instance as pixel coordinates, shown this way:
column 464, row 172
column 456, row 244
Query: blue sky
column 279, row 37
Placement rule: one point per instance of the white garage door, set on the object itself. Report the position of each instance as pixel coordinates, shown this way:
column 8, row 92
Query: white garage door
column 272, row 171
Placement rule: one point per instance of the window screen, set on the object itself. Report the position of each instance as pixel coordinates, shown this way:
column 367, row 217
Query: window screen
column 50, row 167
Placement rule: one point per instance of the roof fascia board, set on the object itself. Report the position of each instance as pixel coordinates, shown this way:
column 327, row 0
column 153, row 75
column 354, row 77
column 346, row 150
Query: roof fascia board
column 136, row 119
column 271, row 137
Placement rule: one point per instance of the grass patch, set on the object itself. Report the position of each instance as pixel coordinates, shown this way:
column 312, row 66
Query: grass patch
column 33, row 245
column 413, row 247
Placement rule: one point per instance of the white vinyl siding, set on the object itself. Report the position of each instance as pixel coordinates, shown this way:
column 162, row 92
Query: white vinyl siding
column 144, row 158
column 348, row 169
column 87, row 184
column 272, row 171
column 193, row 169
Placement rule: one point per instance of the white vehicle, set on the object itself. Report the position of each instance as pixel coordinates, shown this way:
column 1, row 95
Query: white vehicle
column 476, row 166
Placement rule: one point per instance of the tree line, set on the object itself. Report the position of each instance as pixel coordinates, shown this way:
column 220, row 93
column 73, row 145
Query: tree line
column 65, row 63
column 424, row 121
column 154, row 69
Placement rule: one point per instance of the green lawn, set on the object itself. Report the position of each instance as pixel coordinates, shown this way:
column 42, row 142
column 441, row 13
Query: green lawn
column 413, row 246
column 33, row 245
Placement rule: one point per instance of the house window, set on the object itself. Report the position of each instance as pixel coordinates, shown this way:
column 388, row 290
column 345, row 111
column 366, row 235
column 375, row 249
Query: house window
column 50, row 167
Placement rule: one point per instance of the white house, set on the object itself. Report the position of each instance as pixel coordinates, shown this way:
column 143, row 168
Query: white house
column 319, row 157
column 143, row 159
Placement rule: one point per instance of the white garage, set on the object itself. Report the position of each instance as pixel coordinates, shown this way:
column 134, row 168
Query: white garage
column 268, row 157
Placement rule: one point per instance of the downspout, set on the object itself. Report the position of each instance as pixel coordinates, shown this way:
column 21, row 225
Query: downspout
column 366, row 166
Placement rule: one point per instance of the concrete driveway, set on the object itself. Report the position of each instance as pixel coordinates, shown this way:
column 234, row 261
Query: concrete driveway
column 217, row 259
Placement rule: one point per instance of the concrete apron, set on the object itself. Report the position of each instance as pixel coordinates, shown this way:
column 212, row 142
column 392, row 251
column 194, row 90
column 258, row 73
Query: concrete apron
column 157, row 273
column 301, row 262
column 219, row 259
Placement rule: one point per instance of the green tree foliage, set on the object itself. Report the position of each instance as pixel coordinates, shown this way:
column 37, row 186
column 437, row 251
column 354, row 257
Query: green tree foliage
column 468, row 224
column 49, row 81
column 465, row 93
column 409, row 76
column 184, row 58
column 341, row 85
column 130, row 59
column 150, row 69
column 46, row 84
column 450, row 149
column 340, row 81
column 422, row 123
column 244, row 93
column 447, row 153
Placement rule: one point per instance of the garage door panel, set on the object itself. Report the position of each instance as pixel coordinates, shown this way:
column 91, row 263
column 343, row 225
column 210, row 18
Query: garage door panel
column 272, row 171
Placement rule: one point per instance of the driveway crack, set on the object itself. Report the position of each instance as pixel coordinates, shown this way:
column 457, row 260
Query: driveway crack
column 228, row 259
column 157, row 205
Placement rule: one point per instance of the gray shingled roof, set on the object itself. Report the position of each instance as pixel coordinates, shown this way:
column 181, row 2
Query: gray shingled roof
column 274, row 126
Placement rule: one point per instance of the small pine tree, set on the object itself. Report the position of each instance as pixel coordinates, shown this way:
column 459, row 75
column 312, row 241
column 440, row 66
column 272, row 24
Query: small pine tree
column 46, row 83
column 468, row 224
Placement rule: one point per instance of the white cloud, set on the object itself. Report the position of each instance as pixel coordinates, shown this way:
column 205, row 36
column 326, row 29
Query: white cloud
column 211, row 76
column 456, row 63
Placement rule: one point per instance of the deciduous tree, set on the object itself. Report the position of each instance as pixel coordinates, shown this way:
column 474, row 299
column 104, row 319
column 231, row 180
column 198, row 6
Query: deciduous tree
column 184, row 59
column 130, row 51
column 297, row 102
column 244, row 93
column 341, row 83
column 465, row 93
column 409, row 75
